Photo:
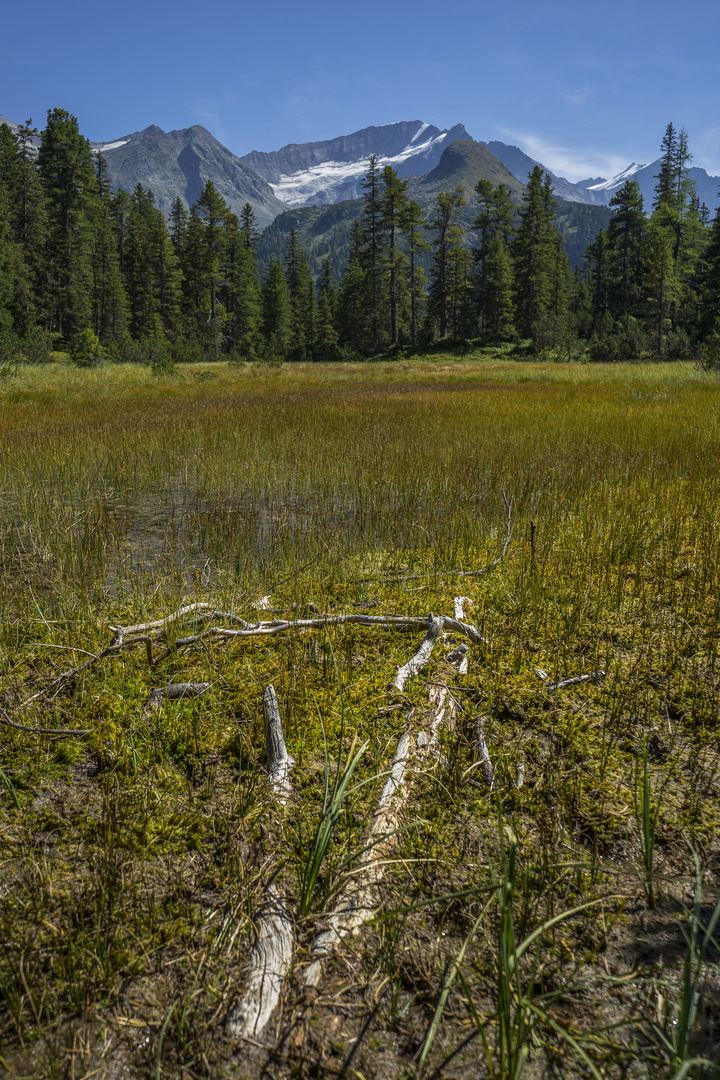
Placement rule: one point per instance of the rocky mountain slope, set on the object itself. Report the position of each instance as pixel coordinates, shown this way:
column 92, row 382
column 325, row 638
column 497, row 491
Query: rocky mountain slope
column 174, row 163
column 318, row 173
column 324, row 231
column 599, row 190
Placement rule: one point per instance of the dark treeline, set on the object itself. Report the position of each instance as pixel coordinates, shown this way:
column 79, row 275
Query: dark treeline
column 99, row 273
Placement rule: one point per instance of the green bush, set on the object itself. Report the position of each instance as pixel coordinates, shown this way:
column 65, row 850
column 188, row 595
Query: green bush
column 87, row 350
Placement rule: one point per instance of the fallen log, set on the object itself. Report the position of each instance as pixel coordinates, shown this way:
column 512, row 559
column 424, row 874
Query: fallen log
column 419, row 660
column 486, row 767
column 270, row 962
column 175, row 691
column 279, row 762
column 272, row 954
column 359, row 900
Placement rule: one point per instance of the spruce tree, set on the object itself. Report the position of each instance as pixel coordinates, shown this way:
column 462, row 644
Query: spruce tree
column 67, row 175
column 302, row 299
column 326, row 335
column 241, row 295
column 371, row 253
column 248, row 228
column 109, row 303
column 447, row 281
column 535, row 252
column 352, row 306
column 626, row 233
column 393, row 204
column 277, row 313
column 178, row 226
column 413, row 224
column 493, row 224
column 213, row 212
column 496, row 286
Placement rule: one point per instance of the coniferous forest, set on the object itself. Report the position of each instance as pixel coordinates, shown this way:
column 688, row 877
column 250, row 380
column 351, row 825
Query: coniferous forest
column 102, row 275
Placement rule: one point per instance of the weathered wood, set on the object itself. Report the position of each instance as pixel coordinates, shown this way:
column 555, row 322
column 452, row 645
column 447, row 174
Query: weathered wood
column 486, row 766
column 159, row 624
column 360, row 899
column 460, row 603
column 270, row 963
column 575, row 680
column 417, row 662
column 175, row 691
column 279, row 762
column 60, row 733
column 272, row 954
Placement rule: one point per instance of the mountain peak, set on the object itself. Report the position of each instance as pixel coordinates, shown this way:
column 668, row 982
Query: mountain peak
column 310, row 174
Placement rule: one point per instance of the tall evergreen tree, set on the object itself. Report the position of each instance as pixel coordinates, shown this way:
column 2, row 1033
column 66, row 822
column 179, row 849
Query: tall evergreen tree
column 371, row 253
column 277, row 313
column 393, row 204
column 493, row 225
column 352, row 306
column 302, row 299
column 109, row 304
column 413, row 224
column 248, row 227
column 178, row 226
column 242, row 294
column 445, row 280
column 496, row 288
column 326, row 335
column 535, row 251
column 213, row 212
column 68, row 178
column 626, row 233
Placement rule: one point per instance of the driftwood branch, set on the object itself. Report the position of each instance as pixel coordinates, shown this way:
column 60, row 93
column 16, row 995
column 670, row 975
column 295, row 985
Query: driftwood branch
column 575, row 680
column 272, row 954
column 486, row 767
column 360, row 899
column 419, row 660
column 67, row 733
column 279, row 762
column 270, row 963
column 459, row 604
column 175, row 691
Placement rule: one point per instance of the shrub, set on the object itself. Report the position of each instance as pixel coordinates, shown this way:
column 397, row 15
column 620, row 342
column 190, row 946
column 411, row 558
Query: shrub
column 87, row 350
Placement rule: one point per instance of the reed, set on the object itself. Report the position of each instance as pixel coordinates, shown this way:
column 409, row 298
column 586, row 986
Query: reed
column 136, row 856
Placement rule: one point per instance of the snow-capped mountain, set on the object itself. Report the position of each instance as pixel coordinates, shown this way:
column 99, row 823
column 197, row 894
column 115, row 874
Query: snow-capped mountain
column 616, row 182
column 178, row 163
column 314, row 174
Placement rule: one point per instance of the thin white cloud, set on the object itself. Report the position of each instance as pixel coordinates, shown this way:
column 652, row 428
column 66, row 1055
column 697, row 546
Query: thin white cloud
column 582, row 96
column 573, row 164
column 705, row 147
column 212, row 121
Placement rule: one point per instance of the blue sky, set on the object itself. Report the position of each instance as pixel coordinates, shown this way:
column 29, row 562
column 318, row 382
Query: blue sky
column 584, row 88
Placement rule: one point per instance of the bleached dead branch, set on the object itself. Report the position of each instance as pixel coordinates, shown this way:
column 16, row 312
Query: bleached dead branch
column 175, row 691
column 419, row 660
column 272, row 954
column 575, row 680
column 360, row 899
column 485, row 763
column 279, row 762
column 270, row 963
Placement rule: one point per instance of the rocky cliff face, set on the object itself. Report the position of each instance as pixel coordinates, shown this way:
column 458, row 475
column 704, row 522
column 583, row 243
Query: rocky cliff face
column 176, row 163
column 314, row 174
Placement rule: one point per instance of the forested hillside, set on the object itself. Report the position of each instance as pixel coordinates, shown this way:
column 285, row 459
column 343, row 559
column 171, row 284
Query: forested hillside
column 465, row 252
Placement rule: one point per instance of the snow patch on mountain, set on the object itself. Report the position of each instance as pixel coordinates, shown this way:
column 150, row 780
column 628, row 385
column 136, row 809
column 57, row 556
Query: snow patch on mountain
column 102, row 148
column 337, row 180
column 618, row 180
